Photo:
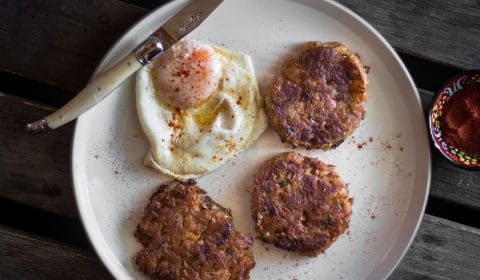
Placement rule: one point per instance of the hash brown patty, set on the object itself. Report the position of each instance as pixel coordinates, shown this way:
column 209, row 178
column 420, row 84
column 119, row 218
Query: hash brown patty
column 318, row 100
column 299, row 204
column 187, row 235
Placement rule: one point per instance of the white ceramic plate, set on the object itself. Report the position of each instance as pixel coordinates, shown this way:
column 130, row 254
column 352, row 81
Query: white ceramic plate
column 388, row 176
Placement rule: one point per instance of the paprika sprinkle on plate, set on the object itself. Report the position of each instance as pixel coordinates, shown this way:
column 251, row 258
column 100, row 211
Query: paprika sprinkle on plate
column 454, row 120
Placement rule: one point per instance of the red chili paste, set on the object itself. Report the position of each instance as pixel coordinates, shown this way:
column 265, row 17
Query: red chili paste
column 461, row 120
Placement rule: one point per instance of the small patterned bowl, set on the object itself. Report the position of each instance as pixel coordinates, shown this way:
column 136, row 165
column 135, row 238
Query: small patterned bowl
column 455, row 155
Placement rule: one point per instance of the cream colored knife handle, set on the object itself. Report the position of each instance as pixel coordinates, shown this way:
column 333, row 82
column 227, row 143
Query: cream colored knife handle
column 96, row 90
column 100, row 87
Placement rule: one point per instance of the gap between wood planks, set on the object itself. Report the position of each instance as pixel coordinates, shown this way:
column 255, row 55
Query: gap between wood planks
column 41, row 223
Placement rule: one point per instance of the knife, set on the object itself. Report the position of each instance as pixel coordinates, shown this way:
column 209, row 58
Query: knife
column 190, row 17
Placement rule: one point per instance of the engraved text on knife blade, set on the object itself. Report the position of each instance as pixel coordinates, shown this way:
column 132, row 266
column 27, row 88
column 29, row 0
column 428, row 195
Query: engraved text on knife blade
column 191, row 21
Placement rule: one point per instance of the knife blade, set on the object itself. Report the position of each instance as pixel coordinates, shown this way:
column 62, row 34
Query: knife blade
column 177, row 27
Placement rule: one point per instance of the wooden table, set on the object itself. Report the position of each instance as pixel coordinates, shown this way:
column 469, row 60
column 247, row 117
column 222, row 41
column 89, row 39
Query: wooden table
column 48, row 50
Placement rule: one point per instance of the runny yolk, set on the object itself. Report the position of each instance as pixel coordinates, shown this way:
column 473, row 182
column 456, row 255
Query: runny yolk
column 187, row 74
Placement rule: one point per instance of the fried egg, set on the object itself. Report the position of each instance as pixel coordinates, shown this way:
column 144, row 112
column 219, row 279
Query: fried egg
column 199, row 106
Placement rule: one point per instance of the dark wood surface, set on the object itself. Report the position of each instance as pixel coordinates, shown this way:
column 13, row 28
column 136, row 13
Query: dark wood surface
column 446, row 31
column 50, row 48
column 442, row 250
column 23, row 256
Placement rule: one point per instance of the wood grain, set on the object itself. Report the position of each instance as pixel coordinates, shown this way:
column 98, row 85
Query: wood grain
column 441, row 250
column 448, row 32
column 34, row 169
column 26, row 257
column 60, row 42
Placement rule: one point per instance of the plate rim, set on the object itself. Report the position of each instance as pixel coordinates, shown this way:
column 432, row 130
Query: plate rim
column 425, row 127
column 81, row 203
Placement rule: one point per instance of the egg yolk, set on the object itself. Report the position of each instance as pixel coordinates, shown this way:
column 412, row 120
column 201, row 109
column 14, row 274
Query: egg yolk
column 187, row 74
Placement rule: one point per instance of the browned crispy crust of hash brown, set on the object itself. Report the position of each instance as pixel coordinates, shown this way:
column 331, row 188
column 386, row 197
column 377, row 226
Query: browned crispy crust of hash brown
column 187, row 235
column 318, row 100
column 299, row 204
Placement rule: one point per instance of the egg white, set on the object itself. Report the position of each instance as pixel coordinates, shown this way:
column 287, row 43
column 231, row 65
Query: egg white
column 188, row 143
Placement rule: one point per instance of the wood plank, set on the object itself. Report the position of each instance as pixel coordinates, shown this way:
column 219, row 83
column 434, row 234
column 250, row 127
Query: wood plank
column 441, row 250
column 454, row 184
column 60, row 42
column 34, row 170
column 23, row 256
column 448, row 32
